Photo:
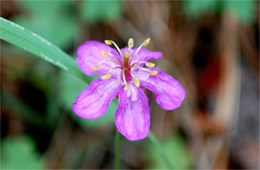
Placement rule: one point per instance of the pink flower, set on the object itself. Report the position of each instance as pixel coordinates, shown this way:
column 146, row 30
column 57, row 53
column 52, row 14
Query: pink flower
column 124, row 74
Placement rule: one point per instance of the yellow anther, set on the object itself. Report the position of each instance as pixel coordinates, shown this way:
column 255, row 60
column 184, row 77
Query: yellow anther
column 126, row 87
column 104, row 54
column 137, row 83
column 146, row 42
column 106, row 76
column 95, row 68
column 153, row 73
column 126, row 55
column 149, row 64
column 131, row 43
column 108, row 42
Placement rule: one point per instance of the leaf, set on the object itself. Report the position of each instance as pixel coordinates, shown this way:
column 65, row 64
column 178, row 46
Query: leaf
column 70, row 88
column 175, row 149
column 31, row 42
column 106, row 10
column 19, row 153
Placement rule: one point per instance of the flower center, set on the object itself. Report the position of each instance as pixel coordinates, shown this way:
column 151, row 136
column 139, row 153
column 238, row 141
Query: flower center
column 127, row 63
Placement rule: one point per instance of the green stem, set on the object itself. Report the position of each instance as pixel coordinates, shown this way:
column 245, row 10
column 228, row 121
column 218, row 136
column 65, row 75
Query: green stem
column 117, row 150
column 161, row 151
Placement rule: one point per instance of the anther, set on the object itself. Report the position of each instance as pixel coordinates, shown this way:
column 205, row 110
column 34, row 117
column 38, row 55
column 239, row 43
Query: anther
column 126, row 87
column 137, row 83
column 149, row 64
column 146, row 42
column 130, row 43
column 106, row 76
column 95, row 68
column 153, row 73
column 126, row 55
column 104, row 54
column 108, row 42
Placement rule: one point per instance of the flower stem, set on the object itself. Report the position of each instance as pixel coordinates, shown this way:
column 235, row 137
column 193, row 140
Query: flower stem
column 161, row 151
column 117, row 150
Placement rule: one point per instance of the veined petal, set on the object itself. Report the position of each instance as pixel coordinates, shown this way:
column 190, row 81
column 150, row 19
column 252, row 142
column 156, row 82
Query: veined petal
column 132, row 116
column 94, row 100
column 89, row 55
column 169, row 93
column 143, row 55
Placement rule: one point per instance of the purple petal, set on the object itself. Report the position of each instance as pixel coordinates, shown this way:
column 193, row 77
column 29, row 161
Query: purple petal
column 89, row 55
column 94, row 100
column 132, row 116
column 169, row 93
column 143, row 55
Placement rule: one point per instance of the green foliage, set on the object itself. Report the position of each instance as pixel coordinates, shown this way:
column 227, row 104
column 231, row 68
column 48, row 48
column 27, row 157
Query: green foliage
column 19, row 153
column 71, row 87
column 176, row 151
column 244, row 9
column 50, row 19
column 31, row 42
column 101, row 10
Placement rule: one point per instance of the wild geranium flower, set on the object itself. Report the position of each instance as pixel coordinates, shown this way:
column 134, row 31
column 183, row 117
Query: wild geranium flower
column 124, row 73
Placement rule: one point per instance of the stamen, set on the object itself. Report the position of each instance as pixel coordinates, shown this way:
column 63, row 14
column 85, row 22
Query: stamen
column 110, row 42
column 153, row 73
column 126, row 87
column 137, row 83
column 106, row 76
column 130, row 43
column 126, row 58
column 146, row 42
column 142, row 68
column 126, row 55
column 149, row 64
column 95, row 67
column 124, row 80
column 104, row 54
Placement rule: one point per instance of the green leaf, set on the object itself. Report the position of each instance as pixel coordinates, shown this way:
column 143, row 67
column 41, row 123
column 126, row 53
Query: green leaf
column 70, row 88
column 19, row 153
column 106, row 10
column 176, row 151
column 31, row 42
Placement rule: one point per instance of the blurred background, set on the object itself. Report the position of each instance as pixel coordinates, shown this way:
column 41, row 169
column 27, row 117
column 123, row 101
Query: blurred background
column 210, row 46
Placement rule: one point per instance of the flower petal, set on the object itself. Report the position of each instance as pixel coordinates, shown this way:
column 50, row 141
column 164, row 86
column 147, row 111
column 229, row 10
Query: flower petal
column 132, row 116
column 89, row 55
column 94, row 100
column 169, row 93
column 143, row 55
